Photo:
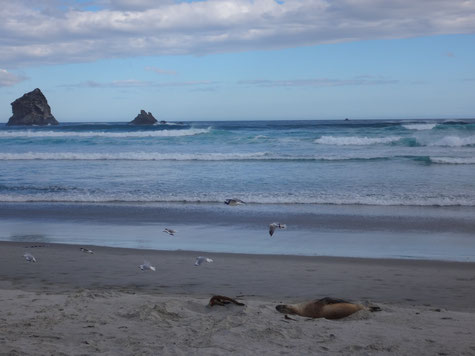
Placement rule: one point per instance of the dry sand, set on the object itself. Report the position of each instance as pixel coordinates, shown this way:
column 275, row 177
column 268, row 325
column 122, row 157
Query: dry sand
column 74, row 303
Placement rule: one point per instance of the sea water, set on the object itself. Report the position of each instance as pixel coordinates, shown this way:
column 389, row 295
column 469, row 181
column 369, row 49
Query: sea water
column 355, row 162
column 358, row 188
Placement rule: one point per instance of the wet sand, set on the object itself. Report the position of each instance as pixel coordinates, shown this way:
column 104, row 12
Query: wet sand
column 351, row 231
column 354, row 218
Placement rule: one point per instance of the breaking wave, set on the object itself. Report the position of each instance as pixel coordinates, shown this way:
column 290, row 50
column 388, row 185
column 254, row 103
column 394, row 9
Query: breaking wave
column 354, row 140
column 454, row 141
column 256, row 198
column 153, row 156
column 86, row 134
column 419, row 127
column 452, row 160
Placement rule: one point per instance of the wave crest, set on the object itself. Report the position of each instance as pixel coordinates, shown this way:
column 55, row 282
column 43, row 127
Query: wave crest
column 455, row 141
column 259, row 199
column 419, row 127
column 154, row 156
column 87, row 134
column 453, row 160
column 355, row 140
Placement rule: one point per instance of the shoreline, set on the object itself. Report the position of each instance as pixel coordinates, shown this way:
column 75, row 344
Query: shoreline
column 457, row 219
column 439, row 234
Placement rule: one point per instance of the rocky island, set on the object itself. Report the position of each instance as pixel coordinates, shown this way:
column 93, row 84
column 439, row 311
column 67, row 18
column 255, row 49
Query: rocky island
column 32, row 109
column 144, row 118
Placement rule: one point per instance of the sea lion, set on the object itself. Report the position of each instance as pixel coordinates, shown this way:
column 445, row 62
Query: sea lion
column 328, row 308
column 222, row 300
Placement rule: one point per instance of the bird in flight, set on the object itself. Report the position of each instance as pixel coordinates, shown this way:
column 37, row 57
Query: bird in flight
column 29, row 257
column 170, row 231
column 274, row 226
column 201, row 259
column 147, row 266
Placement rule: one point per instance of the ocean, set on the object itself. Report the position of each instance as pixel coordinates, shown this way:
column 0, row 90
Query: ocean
column 356, row 162
column 356, row 188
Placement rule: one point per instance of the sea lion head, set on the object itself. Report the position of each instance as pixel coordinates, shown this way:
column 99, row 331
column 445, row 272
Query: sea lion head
column 285, row 309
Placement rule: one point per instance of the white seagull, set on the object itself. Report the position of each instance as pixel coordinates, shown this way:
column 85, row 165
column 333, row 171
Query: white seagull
column 170, row 231
column 274, row 226
column 86, row 250
column 201, row 259
column 234, row 202
column 147, row 266
column 29, row 257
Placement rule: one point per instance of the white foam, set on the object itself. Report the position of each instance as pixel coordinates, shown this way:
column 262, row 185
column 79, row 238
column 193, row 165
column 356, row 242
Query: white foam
column 133, row 156
column 455, row 141
column 249, row 199
column 355, row 140
column 453, row 160
column 155, row 133
column 419, row 127
column 154, row 156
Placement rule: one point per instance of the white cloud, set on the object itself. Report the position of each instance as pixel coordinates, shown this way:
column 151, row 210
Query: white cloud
column 8, row 79
column 318, row 82
column 160, row 71
column 134, row 83
column 42, row 32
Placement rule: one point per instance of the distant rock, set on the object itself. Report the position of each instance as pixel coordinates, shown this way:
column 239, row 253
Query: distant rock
column 144, row 119
column 163, row 122
column 31, row 109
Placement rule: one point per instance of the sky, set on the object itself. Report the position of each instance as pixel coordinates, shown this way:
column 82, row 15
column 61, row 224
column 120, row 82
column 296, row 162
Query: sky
column 105, row 60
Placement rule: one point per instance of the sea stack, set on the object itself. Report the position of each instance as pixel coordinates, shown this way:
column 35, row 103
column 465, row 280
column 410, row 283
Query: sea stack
column 144, row 119
column 31, row 109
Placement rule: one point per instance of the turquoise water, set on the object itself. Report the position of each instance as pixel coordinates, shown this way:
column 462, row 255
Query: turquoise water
column 417, row 163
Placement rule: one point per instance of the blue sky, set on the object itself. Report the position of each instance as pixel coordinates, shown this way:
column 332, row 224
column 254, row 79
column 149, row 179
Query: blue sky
column 105, row 60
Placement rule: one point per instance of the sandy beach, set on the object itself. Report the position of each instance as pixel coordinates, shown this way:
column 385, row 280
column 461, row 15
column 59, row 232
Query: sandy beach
column 74, row 303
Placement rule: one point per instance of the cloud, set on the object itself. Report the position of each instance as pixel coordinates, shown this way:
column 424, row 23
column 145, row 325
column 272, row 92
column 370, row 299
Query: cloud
column 8, row 79
column 318, row 82
column 45, row 31
column 133, row 83
column 160, row 71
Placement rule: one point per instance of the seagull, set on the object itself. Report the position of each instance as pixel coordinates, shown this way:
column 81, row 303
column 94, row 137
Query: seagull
column 147, row 266
column 234, row 202
column 170, row 231
column 29, row 257
column 86, row 250
column 201, row 259
column 274, row 226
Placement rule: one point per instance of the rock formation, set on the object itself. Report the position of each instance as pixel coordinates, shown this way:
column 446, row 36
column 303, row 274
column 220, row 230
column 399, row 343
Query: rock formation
column 144, row 119
column 32, row 109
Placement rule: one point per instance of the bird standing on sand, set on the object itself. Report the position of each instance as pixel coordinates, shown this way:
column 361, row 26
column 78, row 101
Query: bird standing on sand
column 85, row 250
column 234, row 202
column 201, row 259
column 29, row 257
column 274, row 226
column 169, row 231
column 147, row 266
